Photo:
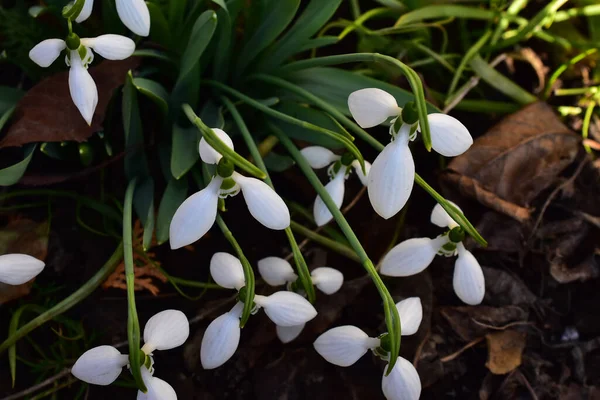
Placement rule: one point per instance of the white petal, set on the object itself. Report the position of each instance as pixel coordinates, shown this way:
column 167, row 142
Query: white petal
column 344, row 345
column 157, row 388
column 286, row 308
column 263, row 202
column 327, row 280
column 227, row 271
column 276, row 271
column 166, row 330
column 195, row 216
column 101, row 365
column 111, row 47
column 319, row 157
column 411, row 256
column 16, row 269
column 288, row 333
column 468, row 281
column 391, row 177
column 449, row 136
column 363, row 177
column 403, row 383
column 83, row 88
column 135, row 15
column 371, row 107
column 86, row 11
column 336, row 189
column 411, row 315
column 221, row 338
column 440, row 217
column 210, row 155
column 47, row 51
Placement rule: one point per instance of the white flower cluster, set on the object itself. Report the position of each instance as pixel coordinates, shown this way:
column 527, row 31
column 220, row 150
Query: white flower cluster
column 133, row 13
column 102, row 365
column 16, row 269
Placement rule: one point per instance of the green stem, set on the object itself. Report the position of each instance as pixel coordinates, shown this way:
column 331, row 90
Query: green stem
column 563, row 67
column 302, row 267
column 413, row 79
column 391, row 313
column 472, row 52
column 513, row 10
column 195, row 284
column 325, row 241
column 133, row 324
column 289, row 119
column 84, row 291
column 586, row 125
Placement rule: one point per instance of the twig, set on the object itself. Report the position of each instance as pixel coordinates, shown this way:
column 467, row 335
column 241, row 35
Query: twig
column 39, row 386
column 527, row 384
column 456, row 354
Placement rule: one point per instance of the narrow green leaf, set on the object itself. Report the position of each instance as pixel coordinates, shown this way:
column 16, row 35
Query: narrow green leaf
column 221, row 3
column 11, row 175
column 319, row 42
column 160, row 31
column 223, row 54
column 6, row 116
column 201, row 35
column 278, row 162
column 212, row 115
column 12, row 329
column 176, row 15
column 155, row 91
column 156, row 54
column 143, row 201
column 314, row 16
column 175, row 194
column 184, row 151
column 276, row 17
column 9, row 97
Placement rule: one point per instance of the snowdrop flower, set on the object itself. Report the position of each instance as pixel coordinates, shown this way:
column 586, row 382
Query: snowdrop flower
column 102, row 365
column 79, row 55
column 16, row 269
column 278, row 272
column 133, row 13
column 345, row 345
column 197, row 214
column 339, row 168
column 390, row 180
column 414, row 255
column 222, row 337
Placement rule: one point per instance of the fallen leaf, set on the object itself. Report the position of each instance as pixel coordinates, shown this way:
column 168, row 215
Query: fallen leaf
column 505, row 350
column 503, row 288
column 471, row 323
column 587, row 269
column 515, row 160
column 27, row 237
column 47, row 114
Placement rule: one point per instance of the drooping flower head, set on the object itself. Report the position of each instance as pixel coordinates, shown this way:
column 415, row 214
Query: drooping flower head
column 16, row 269
column 391, row 177
column 79, row 54
column 414, row 255
column 278, row 272
column 197, row 214
column 344, row 345
column 133, row 13
column 339, row 169
column 221, row 339
column 102, row 365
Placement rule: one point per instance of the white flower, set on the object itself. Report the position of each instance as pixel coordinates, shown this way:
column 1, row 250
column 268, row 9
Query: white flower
column 133, row 13
column 227, row 271
column 288, row 333
column 221, row 338
column 391, row 179
column 392, row 175
column 414, row 255
column 197, row 214
column 81, row 85
column 16, row 269
column 286, row 308
column 102, row 365
column 276, row 271
column 403, row 383
column 327, row 280
column 411, row 315
column 339, row 168
column 344, row 345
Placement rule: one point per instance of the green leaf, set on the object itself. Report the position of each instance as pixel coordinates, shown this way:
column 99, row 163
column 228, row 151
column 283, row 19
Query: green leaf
column 176, row 15
column 184, row 152
column 156, row 54
column 201, row 35
column 314, row 16
column 277, row 162
column 6, row 116
column 212, row 115
column 154, row 90
column 319, row 42
column 73, row 10
column 221, row 3
column 175, row 194
column 276, row 16
column 9, row 98
column 224, row 48
column 12, row 328
column 11, row 175
column 159, row 29
column 334, row 85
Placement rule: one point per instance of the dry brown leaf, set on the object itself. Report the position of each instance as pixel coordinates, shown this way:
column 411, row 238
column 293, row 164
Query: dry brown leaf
column 47, row 113
column 144, row 267
column 514, row 161
column 505, row 350
column 26, row 237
